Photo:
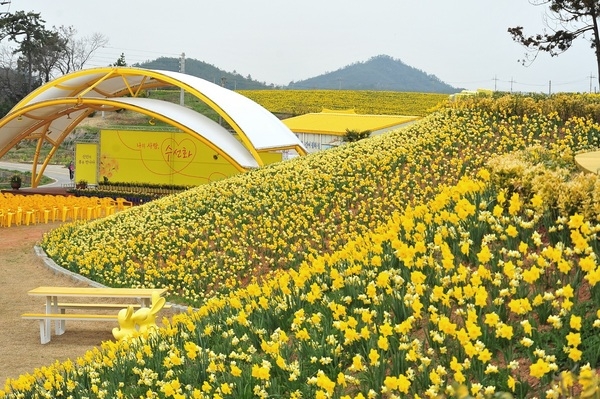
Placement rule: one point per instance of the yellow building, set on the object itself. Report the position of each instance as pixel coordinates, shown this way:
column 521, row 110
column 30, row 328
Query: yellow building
column 326, row 129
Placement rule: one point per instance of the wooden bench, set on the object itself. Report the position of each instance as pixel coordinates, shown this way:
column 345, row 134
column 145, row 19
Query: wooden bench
column 100, row 306
column 45, row 318
column 57, row 311
column 63, row 316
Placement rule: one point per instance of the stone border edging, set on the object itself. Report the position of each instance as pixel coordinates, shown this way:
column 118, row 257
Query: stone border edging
column 50, row 264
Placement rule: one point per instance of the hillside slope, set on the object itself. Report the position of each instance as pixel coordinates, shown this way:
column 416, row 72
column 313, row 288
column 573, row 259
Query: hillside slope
column 382, row 285
column 395, row 272
column 278, row 216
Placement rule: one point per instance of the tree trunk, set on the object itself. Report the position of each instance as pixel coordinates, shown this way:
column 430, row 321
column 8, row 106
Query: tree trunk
column 596, row 38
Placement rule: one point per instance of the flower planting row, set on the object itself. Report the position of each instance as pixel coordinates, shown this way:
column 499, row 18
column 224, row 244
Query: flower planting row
column 420, row 263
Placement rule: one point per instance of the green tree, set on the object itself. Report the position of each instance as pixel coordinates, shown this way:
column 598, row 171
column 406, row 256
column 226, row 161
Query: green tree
column 567, row 21
column 34, row 42
column 121, row 61
column 13, row 84
column 355, row 135
column 38, row 54
column 46, row 59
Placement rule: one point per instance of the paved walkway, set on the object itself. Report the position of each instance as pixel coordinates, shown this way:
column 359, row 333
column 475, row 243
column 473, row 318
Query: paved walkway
column 589, row 161
column 59, row 173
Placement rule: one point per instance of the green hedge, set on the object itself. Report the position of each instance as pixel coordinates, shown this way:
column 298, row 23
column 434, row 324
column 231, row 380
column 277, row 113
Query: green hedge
column 134, row 192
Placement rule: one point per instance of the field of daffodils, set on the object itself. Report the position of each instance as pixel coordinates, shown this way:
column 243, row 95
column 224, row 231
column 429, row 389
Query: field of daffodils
column 299, row 102
column 454, row 258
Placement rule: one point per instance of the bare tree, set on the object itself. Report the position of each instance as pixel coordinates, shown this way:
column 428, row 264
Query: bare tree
column 566, row 20
column 78, row 51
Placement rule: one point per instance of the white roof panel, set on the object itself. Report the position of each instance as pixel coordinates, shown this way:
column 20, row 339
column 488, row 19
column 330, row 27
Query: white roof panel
column 259, row 129
column 197, row 123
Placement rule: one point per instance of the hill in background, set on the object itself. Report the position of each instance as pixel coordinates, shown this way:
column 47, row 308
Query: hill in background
column 200, row 69
column 379, row 73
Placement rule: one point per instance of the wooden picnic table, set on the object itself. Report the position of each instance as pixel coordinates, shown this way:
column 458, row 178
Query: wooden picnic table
column 56, row 311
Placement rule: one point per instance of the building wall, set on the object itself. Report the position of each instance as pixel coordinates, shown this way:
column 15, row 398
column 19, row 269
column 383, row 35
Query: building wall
column 315, row 141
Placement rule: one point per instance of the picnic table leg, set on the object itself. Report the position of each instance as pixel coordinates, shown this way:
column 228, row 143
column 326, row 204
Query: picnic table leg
column 59, row 324
column 46, row 322
column 44, row 331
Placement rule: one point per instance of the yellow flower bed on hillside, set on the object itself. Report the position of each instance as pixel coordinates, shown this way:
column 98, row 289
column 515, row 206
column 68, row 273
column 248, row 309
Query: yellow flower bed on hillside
column 217, row 237
column 413, row 264
column 463, row 294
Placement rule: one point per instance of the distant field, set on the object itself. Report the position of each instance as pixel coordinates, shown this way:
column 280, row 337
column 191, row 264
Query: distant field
column 299, row 102
column 281, row 102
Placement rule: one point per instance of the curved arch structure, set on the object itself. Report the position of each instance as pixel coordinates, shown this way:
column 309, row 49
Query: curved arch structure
column 51, row 112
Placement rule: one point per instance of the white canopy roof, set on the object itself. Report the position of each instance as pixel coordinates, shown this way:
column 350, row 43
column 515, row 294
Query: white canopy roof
column 262, row 128
column 52, row 111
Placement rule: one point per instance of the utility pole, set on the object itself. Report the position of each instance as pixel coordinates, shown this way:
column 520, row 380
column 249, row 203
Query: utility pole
column 182, row 70
column 549, row 87
column 511, row 84
column 495, row 82
column 591, row 77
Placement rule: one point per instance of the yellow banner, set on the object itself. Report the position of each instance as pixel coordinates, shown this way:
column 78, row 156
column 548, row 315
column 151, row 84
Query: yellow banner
column 86, row 162
column 161, row 158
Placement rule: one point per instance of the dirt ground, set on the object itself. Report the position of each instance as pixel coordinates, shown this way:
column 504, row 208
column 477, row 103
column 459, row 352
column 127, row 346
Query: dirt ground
column 21, row 270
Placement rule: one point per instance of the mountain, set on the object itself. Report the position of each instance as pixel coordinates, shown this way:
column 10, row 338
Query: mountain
column 200, row 69
column 381, row 72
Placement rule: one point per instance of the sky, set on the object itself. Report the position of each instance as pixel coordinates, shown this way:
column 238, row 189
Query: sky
column 464, row 43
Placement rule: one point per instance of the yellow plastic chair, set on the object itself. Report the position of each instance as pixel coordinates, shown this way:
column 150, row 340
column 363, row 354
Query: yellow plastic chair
column 9, row 218
column 19, row 216
column 29, row 217
column 76, row 211
column 46, row 215
column 66, row 212
column 51, row 208
column 108, row 206
column 92, row 209
column 122, row 203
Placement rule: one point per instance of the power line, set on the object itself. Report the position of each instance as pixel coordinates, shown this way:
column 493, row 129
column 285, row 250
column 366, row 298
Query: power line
column 104, row 56
column 162, row 53
column 549, row 84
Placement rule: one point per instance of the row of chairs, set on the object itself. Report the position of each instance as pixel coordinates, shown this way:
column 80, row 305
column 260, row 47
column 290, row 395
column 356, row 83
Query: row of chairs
column 32, row 209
